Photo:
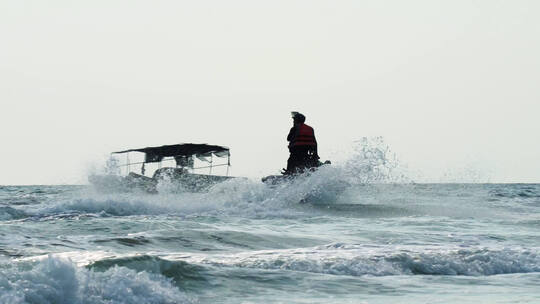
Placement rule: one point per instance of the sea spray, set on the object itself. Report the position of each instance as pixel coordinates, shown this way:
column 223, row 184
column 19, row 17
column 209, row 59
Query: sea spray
column 57, row 280
column 372, row 161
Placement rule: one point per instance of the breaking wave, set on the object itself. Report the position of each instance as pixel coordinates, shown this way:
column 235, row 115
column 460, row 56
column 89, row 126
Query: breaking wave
column 9, row 213
column 57, row 280
column 324, row 191
column 152, row 279
column 337, row 260
column 179, row 271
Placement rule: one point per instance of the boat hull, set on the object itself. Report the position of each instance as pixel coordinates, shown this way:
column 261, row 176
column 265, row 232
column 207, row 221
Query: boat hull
column 169, row 179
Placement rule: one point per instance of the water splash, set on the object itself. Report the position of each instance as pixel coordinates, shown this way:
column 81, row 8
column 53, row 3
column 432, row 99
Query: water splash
column 58, row 280
column 372, row 161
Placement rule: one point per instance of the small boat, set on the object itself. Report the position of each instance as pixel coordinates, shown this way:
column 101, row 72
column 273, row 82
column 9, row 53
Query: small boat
column 181, row 176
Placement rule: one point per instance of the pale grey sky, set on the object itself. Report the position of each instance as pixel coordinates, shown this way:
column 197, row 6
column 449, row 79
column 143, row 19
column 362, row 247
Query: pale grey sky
column 451, row 85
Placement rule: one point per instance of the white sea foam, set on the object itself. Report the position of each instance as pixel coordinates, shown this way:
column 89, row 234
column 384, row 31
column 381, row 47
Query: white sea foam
column 247, row 198
column 372, row 162
column 384, row 261
column 236, row 197
column 58, row 280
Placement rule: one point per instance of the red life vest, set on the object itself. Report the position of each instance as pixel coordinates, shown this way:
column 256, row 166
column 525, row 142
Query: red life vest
column 305, row 136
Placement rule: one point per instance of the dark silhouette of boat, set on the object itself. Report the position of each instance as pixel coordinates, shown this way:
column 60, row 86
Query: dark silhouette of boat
column 182, row 176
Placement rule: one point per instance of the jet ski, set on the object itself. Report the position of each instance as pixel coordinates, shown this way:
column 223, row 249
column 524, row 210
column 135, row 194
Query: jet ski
column 287, row 176
column 318, row 192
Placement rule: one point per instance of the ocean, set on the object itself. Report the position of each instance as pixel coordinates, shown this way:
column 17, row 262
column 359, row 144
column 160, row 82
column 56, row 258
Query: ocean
column 243, row 242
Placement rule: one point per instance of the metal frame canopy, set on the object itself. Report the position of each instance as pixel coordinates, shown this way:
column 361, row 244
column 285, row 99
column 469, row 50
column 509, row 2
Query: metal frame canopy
column 182, row 154
column 156, row 154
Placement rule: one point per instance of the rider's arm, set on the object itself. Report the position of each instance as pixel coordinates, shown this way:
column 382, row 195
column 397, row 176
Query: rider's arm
column 292, row 133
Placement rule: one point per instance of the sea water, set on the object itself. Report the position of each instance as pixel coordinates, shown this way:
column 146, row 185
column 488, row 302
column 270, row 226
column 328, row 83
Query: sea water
column 243, row 242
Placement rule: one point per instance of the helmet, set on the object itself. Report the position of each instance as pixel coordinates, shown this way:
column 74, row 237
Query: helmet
column 298, row 117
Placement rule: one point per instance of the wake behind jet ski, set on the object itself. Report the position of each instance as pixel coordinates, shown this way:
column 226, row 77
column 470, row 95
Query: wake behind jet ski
column 303, row 151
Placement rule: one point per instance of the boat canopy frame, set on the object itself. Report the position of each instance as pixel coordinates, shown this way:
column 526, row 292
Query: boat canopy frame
column 181, row 154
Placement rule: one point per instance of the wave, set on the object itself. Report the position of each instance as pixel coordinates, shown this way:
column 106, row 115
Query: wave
column 179, row 271
column 9, row 213
column 167, row 279
column 520, row 191
column 325, row 192
column 356, row 261
column 241, row 197
column 58, row 280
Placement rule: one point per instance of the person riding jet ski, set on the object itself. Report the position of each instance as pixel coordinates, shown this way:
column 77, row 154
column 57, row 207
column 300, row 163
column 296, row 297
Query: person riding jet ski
column 302, row 146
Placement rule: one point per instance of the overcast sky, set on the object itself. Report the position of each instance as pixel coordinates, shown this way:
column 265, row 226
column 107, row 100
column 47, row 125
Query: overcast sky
column 452, row 86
